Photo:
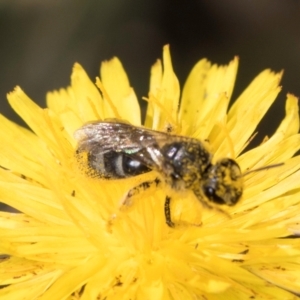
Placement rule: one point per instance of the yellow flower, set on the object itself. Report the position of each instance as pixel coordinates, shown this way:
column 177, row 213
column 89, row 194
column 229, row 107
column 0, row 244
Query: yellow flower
column 72, row 240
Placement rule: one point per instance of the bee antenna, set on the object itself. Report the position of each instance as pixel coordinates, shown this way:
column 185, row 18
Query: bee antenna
column 264, row 168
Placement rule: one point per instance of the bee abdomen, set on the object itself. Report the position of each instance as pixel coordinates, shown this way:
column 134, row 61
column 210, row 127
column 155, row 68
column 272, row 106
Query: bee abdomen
column 116, row 165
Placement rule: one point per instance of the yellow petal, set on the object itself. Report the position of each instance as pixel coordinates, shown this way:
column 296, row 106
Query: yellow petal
column 155, row 82
column 164, row 94
column 281, row 145
column 285, row 275
column 82, row 98
column 206, row 96
column 248, row 109
column 120, row 93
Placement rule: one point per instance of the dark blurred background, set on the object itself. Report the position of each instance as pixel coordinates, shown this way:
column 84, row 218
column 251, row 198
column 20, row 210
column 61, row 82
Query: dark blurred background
column 41, row 40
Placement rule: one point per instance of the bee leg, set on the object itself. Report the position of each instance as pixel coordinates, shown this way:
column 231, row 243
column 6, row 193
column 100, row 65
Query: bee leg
column 142, row 187
column 168, row 212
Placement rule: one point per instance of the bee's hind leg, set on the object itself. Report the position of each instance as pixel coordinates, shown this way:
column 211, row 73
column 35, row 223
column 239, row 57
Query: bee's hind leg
column 146, row 186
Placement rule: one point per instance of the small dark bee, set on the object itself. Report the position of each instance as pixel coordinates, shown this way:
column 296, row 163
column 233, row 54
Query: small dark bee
column 116, row 150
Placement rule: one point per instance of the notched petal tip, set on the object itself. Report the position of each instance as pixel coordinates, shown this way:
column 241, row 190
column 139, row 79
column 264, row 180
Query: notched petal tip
column 16, row 89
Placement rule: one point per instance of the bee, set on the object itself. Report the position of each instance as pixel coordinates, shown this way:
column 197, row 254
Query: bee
column 116, row 150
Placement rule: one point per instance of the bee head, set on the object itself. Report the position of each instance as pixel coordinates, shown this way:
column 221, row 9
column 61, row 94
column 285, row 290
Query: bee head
column 223, row 182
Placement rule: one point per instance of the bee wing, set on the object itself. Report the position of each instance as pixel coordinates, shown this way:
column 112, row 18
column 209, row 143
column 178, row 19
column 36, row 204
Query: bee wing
column 137, row 142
